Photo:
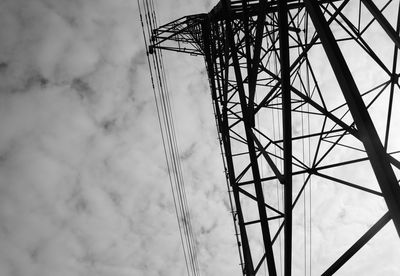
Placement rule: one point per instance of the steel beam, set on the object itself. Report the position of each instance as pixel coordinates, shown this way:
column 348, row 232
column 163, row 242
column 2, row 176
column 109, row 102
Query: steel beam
column 253, row 72
column 287, row 131
column 373, row 9
column 357, row 245
column 368, row 134
column 210, row 53
column 251, row 147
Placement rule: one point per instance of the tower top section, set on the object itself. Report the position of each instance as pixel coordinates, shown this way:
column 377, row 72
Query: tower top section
column 187, row 34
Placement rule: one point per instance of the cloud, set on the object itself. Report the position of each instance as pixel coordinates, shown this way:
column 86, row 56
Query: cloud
column 84, row 187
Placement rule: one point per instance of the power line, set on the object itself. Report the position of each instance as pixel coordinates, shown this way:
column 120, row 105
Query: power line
column 171, row 150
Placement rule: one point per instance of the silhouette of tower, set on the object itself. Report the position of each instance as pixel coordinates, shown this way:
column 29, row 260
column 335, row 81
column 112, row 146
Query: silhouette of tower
column 304, row 94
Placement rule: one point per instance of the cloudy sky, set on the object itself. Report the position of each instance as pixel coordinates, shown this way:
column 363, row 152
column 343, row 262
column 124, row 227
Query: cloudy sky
column 83, row 186
column 83, row 181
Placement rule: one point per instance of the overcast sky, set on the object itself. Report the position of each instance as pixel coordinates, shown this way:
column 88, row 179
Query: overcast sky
column 83, row 188
column 83, row 181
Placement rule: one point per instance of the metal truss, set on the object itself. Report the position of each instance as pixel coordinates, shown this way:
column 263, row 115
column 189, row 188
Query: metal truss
column 304, row 95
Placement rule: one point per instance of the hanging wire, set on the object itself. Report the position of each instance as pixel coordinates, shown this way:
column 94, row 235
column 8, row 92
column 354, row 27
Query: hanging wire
column 169, row 140
column 303, row 132
column 308, row 87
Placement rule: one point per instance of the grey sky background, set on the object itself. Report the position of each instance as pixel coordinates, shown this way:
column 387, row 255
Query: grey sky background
column 83, row 181
column 84, row 188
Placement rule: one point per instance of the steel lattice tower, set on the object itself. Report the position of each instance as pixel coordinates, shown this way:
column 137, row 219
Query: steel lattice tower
column 304, row 94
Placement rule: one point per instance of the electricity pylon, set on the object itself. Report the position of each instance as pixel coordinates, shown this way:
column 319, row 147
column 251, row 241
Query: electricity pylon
column 303, row 94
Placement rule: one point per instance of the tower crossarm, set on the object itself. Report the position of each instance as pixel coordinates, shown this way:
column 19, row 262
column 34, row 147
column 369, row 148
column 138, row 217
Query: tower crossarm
column 182, row 35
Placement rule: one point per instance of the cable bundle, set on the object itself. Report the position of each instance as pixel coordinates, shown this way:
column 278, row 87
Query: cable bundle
column 171, row 150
